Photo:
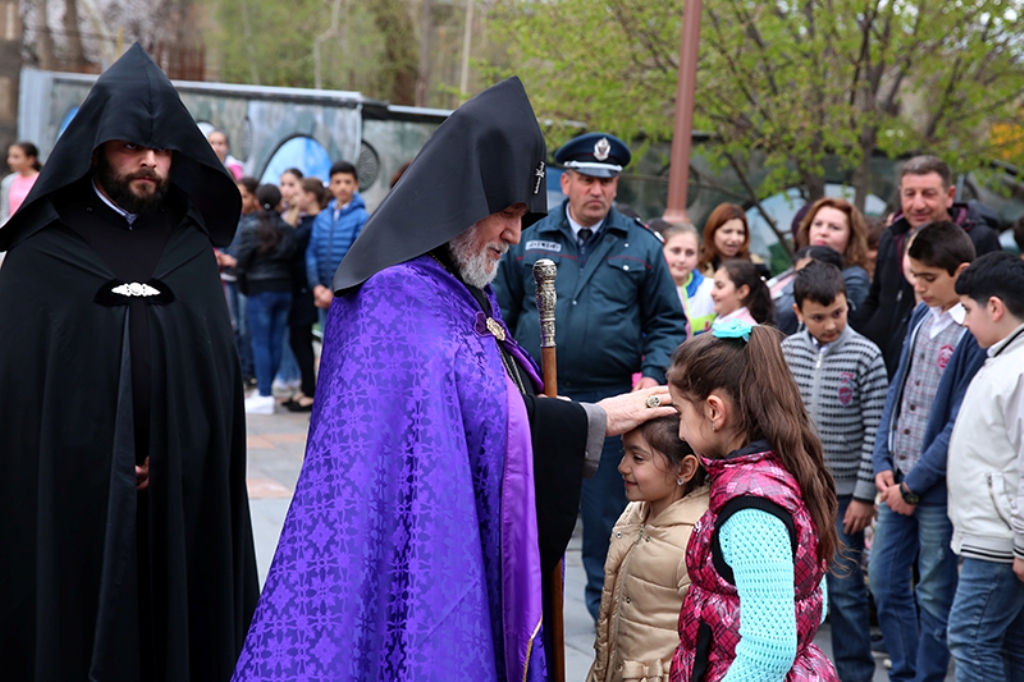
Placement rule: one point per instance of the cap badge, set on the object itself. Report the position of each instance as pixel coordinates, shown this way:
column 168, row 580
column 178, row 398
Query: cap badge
column 602, row 149
column 539, row 174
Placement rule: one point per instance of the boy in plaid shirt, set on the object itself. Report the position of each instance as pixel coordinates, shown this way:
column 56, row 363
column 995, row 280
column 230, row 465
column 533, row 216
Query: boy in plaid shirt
column 938, row 361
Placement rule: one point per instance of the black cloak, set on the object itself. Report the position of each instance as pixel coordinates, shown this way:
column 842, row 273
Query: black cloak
column 97, row 580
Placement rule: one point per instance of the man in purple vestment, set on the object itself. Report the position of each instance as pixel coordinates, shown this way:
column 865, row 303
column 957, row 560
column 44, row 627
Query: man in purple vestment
column 438, row 488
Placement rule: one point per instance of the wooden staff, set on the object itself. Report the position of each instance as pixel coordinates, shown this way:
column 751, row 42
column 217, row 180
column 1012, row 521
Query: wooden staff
column 544, row 272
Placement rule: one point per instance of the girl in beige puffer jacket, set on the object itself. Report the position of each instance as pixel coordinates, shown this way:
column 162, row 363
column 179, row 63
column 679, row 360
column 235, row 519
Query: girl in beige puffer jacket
column 645, row 572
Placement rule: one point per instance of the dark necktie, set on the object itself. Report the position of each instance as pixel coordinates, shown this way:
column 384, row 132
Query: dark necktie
column 583, row 236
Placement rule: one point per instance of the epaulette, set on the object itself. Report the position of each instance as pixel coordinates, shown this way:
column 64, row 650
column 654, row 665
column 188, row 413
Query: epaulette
column 647, row 229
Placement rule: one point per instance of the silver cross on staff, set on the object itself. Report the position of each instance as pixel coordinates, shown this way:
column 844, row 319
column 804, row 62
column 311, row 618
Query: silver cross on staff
column 540, row 173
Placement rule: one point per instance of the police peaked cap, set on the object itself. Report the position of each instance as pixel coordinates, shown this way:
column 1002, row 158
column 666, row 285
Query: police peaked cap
column 599, row 155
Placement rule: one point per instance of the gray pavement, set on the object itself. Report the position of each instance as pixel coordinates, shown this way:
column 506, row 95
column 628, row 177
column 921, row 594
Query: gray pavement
column 276, row 447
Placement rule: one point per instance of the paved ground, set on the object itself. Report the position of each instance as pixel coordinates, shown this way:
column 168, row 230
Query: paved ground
column 276, row 446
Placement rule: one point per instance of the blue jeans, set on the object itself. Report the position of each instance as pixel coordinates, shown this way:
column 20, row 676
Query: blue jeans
column 237, row 306
column 986, row 624
column 848, row 607
column 602, row 500
column 917, row 653
column 288, row 370
column 268, row 323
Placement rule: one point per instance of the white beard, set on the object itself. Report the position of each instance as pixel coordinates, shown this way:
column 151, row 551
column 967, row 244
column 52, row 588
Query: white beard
column 476, row 269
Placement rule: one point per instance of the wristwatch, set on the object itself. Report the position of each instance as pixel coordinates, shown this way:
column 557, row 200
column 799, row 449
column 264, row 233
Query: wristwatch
column 908, row 497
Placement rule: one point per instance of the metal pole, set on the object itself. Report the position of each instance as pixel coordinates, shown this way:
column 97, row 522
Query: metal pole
column 11, row 39
column 467, row 40
column 679, row 170
column 544, row 271
column 318, row 40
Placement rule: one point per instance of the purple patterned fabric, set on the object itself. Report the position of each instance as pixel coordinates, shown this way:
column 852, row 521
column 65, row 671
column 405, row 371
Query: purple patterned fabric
column 520, row 554
column 410, row 549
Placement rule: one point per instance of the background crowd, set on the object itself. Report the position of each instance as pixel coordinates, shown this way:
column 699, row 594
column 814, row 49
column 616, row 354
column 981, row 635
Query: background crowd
column 277, row 274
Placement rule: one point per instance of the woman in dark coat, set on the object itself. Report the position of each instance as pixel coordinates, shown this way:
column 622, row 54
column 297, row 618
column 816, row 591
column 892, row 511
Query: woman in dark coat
column 264, row 258
column 310, row 199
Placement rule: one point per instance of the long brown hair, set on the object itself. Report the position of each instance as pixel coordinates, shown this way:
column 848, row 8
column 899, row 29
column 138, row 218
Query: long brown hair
column 722, row 214
column 756, row 379
column 270, row 234
column 857, row 247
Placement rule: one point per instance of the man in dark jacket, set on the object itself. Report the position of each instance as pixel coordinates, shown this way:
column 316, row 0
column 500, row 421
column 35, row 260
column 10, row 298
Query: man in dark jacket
column 618, row 312
column 926, row 196
column 126, row 550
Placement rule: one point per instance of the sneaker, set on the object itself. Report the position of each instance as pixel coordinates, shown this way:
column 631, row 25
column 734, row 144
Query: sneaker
column 285, row 389
column 260, row 404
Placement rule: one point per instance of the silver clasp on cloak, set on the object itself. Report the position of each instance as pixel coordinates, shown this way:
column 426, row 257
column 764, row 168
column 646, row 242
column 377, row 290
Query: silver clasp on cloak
column 135, row 289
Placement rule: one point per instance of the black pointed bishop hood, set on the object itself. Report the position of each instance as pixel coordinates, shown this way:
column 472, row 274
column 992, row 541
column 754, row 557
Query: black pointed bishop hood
column 135, row 101
column 488, row 155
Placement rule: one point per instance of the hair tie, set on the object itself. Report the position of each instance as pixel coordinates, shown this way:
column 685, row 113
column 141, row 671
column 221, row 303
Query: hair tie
column 731, row 329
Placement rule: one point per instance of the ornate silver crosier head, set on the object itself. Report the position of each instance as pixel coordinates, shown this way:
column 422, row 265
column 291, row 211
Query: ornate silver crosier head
column 544, row 272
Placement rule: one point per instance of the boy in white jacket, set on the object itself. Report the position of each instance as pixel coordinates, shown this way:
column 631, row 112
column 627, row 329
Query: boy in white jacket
column 986, row 479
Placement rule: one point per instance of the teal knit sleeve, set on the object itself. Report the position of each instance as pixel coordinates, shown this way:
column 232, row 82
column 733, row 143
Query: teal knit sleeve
column 757, row 547
column 824, row 601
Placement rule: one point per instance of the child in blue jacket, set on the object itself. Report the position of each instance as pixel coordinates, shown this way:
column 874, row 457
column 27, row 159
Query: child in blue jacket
column 334, row 232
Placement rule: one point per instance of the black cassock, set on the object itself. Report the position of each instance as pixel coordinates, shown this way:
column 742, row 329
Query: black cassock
column 558, row 435
column 97, row 580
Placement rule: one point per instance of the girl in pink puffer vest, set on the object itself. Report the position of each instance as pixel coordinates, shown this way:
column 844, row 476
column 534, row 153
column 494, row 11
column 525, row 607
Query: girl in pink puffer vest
column 757, row 558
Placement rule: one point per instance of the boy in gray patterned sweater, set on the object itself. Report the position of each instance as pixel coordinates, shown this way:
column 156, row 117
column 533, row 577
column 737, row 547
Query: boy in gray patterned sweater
column 843, row 382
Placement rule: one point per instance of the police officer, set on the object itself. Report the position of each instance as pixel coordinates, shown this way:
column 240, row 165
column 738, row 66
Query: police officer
column 618, row 312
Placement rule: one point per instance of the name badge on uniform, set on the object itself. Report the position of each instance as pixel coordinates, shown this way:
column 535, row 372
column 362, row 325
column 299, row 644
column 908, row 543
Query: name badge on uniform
column 543, row 246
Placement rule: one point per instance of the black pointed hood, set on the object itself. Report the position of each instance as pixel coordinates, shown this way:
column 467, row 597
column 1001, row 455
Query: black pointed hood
column 135, row 101
column 488, row 155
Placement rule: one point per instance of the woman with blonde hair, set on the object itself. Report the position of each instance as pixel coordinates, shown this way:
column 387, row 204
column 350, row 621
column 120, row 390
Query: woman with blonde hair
column 838, row 224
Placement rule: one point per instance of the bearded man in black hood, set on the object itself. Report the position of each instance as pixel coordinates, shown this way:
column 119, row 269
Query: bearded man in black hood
column 126, row 548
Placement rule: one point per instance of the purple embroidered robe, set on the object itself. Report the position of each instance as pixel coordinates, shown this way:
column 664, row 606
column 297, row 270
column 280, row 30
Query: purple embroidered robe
column 410, row 548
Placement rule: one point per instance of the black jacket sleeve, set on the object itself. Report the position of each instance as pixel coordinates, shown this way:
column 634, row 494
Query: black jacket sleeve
column 866, row 314
column 986, row 240
column 559, row 434
column 248, row 242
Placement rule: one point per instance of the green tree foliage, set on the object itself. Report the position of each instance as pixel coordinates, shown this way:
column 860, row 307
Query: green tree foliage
column 790, row 82
column 270, row 42
column 400, row 64
column 608, row 65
